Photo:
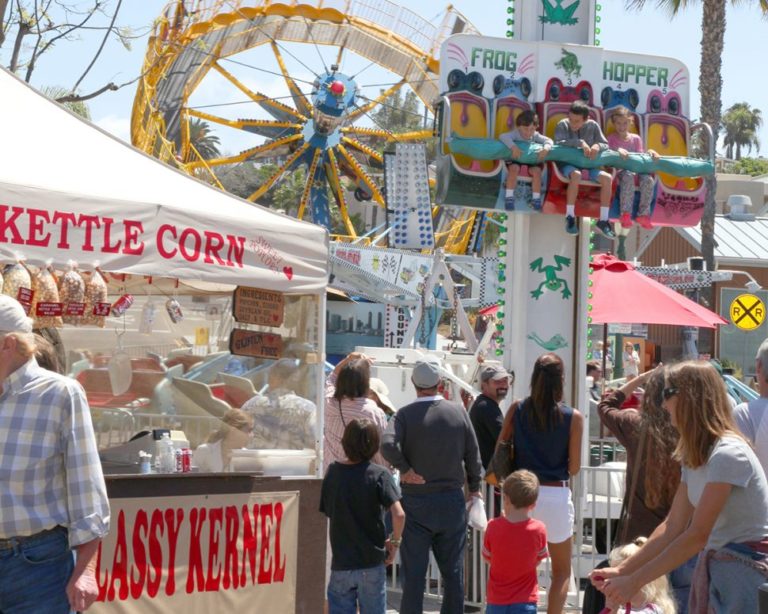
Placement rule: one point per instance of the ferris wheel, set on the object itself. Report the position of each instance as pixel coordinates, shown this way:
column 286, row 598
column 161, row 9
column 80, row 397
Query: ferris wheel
column 325, row 123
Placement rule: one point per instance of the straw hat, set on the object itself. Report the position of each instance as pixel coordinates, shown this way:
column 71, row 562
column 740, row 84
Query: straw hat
column 382, row 392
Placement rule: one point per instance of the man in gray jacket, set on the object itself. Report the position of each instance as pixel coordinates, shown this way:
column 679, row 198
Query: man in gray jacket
column 432, row 443
column 580, row 132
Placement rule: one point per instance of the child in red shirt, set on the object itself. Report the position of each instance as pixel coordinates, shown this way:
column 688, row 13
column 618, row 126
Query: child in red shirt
column 514, row 545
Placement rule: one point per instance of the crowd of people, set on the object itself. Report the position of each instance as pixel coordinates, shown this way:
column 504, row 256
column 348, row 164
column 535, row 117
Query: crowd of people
column 693, row 535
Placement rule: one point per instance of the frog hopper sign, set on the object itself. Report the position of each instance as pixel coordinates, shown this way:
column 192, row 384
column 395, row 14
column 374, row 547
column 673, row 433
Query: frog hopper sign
column 100, row 200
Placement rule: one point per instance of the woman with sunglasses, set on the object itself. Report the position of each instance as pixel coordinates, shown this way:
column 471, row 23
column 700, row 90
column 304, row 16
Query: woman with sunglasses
column 721, row 504
column 652, row 475
column 547, row 441
column 234, row 433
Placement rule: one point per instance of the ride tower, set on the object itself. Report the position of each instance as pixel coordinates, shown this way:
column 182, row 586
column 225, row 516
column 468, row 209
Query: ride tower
column 485, row 83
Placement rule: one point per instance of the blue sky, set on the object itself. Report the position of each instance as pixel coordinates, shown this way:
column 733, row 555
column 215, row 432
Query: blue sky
column 651, row 31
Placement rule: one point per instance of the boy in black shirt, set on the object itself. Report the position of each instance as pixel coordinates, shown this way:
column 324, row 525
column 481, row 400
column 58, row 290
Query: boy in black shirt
column 354, row 495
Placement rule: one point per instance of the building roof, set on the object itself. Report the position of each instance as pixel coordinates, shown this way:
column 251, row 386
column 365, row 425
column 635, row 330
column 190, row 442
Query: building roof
column 743, row 242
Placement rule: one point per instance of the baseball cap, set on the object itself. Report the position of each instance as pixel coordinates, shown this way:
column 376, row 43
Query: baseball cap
column 12, row 316
column 493, row 372
column 425, row 374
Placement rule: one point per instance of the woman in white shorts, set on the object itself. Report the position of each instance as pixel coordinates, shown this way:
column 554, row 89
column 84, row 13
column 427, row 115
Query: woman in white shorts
column 547, row 439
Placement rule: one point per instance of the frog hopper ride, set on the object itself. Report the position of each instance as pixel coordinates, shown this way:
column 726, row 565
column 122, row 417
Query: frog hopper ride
column 487, row 82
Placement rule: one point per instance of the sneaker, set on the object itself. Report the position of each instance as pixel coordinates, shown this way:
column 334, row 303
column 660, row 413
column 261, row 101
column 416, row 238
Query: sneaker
column 604, row 226
column 644, row 221
column 570, row 225
column 536, row 203
column 626, row 220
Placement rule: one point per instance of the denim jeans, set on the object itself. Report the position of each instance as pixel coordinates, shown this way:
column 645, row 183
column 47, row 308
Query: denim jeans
column 733, row 587
column 34, row 575
column 512, row 608
column 680, row 582
column 436, row 521
column 351, row 588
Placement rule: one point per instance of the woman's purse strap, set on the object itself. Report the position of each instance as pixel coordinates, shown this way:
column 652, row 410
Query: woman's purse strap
column 508, row 428
column 341, row 415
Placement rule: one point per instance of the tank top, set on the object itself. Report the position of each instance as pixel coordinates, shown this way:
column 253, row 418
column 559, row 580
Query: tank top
column 544, row 453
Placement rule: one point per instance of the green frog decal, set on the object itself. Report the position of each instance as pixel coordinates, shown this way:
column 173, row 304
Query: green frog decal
column 551, row 282
column 569, row 63
column 555, row 13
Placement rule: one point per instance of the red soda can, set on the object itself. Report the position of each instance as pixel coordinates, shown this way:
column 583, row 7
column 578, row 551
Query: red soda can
column 122, row 304
column 186, row 460
column 179, row 455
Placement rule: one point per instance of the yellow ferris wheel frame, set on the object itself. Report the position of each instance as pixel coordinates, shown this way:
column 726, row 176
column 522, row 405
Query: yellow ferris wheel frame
column 186, row 43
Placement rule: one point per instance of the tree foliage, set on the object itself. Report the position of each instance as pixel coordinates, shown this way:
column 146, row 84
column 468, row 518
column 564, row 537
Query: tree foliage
column 203, row 140
column 741, row 124
column 749, row 166
column 54, row 92
column 30, row 30
column 399, row 113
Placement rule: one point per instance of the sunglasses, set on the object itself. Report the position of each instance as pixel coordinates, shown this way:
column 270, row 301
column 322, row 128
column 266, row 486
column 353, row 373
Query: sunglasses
column 669, row 392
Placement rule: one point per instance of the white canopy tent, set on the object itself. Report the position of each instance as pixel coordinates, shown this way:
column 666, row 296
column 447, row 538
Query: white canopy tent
column 70, row 191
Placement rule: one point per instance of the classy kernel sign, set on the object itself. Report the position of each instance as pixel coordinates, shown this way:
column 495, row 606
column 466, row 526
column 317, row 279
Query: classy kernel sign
column 200, row 554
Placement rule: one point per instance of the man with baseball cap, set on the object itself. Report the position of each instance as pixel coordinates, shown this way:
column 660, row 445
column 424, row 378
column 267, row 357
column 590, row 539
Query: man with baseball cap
column 53, row 499
column 485, row 412
column 432, row 443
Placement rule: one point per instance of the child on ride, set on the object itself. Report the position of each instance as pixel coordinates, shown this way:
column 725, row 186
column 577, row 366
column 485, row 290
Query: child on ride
column 625, row 142
column 580, row 132
column 526, row 124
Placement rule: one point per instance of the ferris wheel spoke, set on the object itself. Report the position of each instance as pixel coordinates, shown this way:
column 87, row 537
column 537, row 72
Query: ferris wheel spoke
column 263, row 127
column 416, row 135
column 278, row 110
column 268, row 149
column 305, row 195
column 362, row 110
column 289, row 164
column 321, row 213
column 359, row 131
column 375, row 159
column 339, row 193
column 359, row 175
column 299, row 99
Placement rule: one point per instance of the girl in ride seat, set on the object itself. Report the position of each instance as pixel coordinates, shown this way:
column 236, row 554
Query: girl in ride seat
column 625, row 142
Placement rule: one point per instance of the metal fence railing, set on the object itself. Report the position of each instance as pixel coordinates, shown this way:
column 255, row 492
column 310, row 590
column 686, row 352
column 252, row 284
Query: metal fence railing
column 597, row 498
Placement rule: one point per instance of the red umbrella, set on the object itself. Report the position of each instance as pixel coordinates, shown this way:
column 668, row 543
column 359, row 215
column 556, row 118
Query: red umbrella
column 622, row 295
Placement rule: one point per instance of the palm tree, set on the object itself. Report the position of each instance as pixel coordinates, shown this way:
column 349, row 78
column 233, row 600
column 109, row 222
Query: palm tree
column 741, row 124
column 201, row 138
column 54, row 92
column 710, row 89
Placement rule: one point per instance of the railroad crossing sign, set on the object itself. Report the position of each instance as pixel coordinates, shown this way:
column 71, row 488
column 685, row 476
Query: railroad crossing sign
column 747, row 311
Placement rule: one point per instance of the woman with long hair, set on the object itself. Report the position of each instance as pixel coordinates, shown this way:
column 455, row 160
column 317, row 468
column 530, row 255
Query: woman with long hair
column 653, row 472
column 234, row 433
column 346, row 398
column 720, row 508
column 547, row 441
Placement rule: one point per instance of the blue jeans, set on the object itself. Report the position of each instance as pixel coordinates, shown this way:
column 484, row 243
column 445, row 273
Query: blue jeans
column 512, row 608
column 680, row 582
column 733, row 587
column 34, row 575
column 436, row 521
column 364, row 587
